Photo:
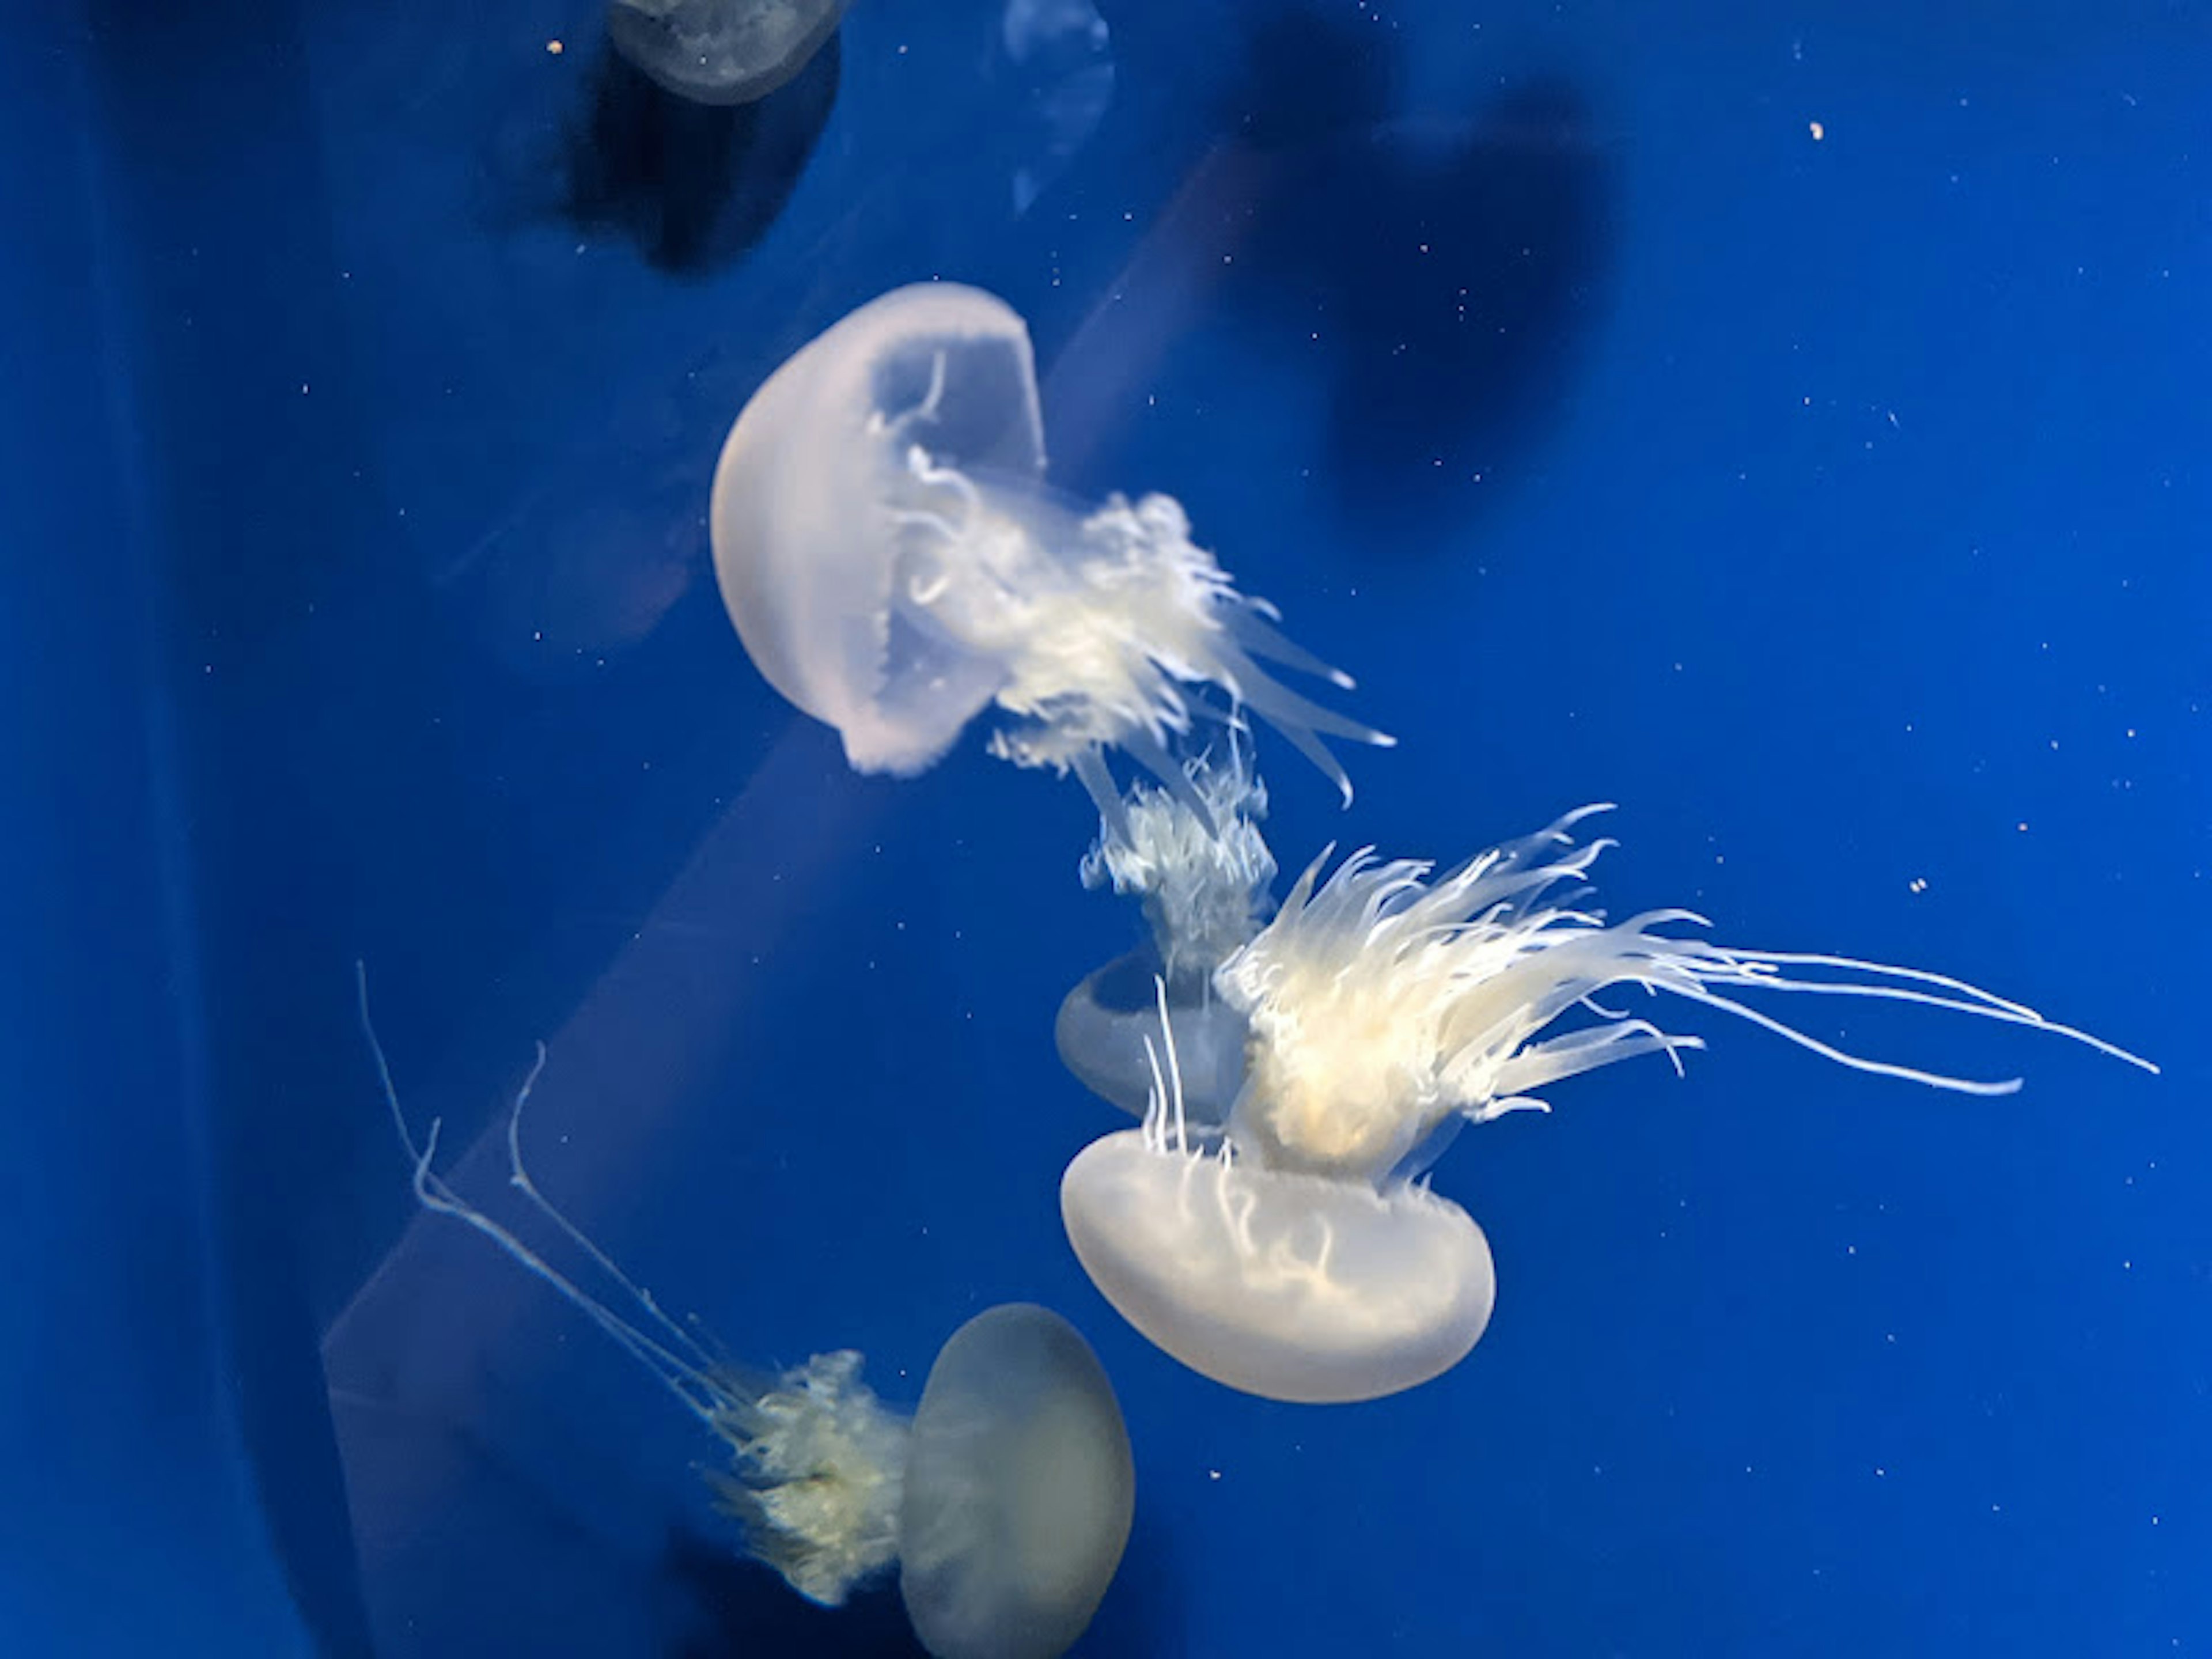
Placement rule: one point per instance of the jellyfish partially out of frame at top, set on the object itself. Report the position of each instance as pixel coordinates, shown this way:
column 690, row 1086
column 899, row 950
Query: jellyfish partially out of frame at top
column 1203, row 883
column 721, row 51
column 1004, row 1502
column 1291, row 1254
column 894, row 563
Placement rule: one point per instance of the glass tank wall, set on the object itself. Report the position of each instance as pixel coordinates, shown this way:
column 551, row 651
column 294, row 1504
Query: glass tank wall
column 1786, row 422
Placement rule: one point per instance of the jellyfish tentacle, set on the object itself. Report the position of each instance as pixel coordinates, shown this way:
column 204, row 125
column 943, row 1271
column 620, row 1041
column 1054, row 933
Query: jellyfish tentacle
column 1147, row 746
column 679, row 1339
column 1089, row 765
column 691, row 1384
column 933, row 399
column 815, row 1460
column 1457, row 976
column 1966, row 998
column 1171, row 1087
column 1254, row 625
column 1844, row 1057
column 1175, row 1066
column 936, row 475
column 1285, row 709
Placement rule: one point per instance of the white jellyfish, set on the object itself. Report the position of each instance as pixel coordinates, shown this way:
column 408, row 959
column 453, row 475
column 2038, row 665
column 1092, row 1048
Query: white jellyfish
column 894, row 563
column 1004, row 1501
column 721, row 51
column 1293, row 1254
column 1203, row 883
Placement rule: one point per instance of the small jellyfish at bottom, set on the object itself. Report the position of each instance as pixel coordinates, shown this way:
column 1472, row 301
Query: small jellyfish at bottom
column 1004, row 1501
column 1203, row 883
column 894, row 563
column 721, row 51
column 1294, row 1254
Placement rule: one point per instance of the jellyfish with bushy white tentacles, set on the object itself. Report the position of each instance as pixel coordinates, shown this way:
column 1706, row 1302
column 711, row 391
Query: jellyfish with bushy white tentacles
column 1294, row 1251
column 1202, row 880
column 894, row 563
column 1003, row 1501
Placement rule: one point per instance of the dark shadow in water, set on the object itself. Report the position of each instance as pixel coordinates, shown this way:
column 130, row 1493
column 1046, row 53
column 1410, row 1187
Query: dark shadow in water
column 483, row 1555
column 1444, row 267
column 750, row 1613
column 696, row 185
column 1143, row 1616
column 747, row 1611
column 471, row 1543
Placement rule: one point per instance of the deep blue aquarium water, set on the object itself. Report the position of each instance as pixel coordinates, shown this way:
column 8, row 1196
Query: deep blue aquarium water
column 1790, row 421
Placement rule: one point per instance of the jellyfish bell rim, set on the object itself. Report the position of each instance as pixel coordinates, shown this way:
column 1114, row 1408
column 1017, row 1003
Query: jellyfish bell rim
column 815, row 447
column 1290, row 1286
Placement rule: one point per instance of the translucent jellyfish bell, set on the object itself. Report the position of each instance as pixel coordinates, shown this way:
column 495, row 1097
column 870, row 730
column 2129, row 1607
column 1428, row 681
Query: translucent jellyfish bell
column 894, row 564
column 1292, row 1286
column 1195, row 860
column 721, row 51
column 1004, row 1503
column 1107, row 1023
column 1292, row 1255
column 1019, row 1490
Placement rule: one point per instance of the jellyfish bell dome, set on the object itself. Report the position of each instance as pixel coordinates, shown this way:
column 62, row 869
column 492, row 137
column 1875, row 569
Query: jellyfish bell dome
column 1019, row 1490
column 806, row 552
column 721, row 51
column 892, row 561
column 1292, row 1287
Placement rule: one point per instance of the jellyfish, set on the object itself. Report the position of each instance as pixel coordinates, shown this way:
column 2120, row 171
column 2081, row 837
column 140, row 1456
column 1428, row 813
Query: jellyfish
column 1060, row 54
column 1203, row 883
column 721, row 51
column 894, row 563
column 1004, row 1502
column 1295, row 1253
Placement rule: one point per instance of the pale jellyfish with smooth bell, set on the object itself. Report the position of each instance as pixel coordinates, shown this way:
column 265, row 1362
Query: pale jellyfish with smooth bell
column 895, row 564
column 1289, row 1255
column 721, row 51
column 1003, row 1501
column 1203, row 883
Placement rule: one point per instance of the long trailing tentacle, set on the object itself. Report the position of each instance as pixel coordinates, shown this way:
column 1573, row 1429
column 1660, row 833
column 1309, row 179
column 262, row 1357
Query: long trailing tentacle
column 682, row 1365
column 1763, row 972
column 1700, row 972
column 1466, row 971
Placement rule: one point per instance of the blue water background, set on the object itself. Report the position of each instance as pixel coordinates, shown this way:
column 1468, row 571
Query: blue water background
column 1787, row 421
